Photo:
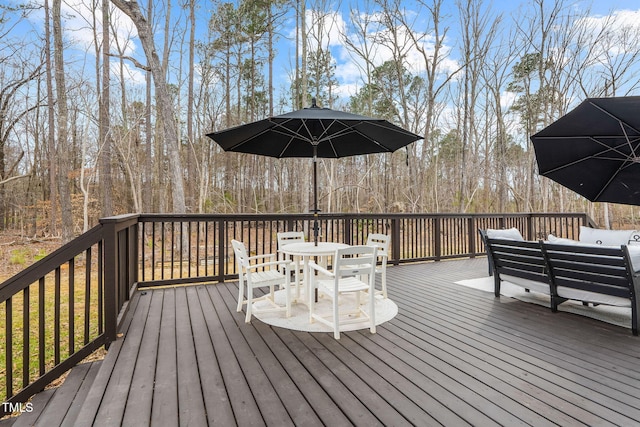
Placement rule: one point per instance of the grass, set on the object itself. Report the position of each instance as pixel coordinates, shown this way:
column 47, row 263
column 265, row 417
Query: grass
column 18, row 257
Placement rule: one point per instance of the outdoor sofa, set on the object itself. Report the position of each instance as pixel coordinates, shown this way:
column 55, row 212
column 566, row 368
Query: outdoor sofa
column 603, row 267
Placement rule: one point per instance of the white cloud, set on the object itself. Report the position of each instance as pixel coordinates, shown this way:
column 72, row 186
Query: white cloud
column 78, row 22
column 130, row 73
column 613, row 34
column 324, row 28
column 414, row 48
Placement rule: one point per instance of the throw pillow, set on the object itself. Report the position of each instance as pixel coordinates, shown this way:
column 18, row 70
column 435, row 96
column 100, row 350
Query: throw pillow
column 604, row 237
column 508, row 234
column 561, row 240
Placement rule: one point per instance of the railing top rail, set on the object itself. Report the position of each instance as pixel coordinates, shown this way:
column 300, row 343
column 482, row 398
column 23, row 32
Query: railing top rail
column 121, row 221
column 178, row 217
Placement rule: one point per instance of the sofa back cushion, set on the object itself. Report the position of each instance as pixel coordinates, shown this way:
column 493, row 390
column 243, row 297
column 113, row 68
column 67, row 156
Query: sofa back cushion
column 505, row 234
column 605, row 237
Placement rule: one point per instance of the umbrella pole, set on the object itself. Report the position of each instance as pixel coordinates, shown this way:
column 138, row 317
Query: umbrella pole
column 315, row 195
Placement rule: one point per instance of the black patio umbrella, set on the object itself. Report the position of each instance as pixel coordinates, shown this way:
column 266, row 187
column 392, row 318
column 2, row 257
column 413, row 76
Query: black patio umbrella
column 314, row 132
column 594, row 150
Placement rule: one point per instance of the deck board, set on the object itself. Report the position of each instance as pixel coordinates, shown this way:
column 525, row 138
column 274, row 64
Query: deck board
column 138, row 410
column 286, row 391
column 452, row 356
column 216, row 399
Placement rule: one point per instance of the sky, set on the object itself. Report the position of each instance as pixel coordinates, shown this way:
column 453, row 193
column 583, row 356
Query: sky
column 348, row 72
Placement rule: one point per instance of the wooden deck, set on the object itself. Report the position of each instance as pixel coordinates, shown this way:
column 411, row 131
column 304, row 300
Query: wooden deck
column 452, row 356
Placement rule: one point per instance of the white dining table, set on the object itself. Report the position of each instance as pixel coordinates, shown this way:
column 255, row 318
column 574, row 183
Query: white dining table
column 306, row 251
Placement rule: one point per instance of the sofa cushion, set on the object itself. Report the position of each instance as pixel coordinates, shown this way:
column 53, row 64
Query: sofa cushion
column 581, row 295
column 634, row 238
column 561, row 240
column 634, row 257
column 505, row 234
column 605, row 237
column 532, row 285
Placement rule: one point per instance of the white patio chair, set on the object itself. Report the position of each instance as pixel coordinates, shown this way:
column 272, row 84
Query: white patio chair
column 285, row 238
column 257, row 275
column 349, row 265
column 381, row 241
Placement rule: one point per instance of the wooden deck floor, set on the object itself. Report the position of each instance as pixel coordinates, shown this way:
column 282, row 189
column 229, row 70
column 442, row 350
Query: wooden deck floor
column 452, row 356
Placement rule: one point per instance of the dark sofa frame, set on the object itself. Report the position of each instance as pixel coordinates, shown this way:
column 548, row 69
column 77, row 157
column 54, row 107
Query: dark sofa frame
column 601, row 270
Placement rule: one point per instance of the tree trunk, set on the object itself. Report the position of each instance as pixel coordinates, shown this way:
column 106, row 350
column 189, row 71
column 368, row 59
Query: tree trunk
column 106, row 183
column 192, row 166
column 51, row 145
column 63, row 152
column 163, row 100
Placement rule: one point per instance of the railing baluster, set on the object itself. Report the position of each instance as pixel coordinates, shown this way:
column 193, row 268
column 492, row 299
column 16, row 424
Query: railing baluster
column 100, row 290
column 56, row 317
column 26, row 329
column 198, row 226
column 173, row 249
column 153, row 250
column 72, row 335
column 163, row 250
column 41, row 325
column 8, row 333
column 87, row 295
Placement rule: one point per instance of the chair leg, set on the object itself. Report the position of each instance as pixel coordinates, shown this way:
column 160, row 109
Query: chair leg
column 372, row 312
column 247, row 318
column 297, row 263
column 336, row 319
column 383, row 280
column 288, row 292
column 240, row 293
column 311, row 302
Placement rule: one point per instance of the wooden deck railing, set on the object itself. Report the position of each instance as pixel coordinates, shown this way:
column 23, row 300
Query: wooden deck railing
column 65, row 306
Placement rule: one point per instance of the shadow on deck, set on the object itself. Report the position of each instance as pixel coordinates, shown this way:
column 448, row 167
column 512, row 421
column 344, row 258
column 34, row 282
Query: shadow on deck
column 452, row 356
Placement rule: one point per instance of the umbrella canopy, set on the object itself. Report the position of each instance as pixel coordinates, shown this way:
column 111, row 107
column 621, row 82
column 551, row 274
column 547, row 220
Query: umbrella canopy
column 594, row 150
column 314, row 132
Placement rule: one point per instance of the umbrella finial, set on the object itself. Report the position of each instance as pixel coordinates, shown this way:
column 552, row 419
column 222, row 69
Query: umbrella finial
column 313, row 103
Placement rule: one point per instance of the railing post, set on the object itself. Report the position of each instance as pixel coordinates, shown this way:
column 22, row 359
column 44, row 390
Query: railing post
column 472, row 236
column 111, row 269
column 395, row 240
column 436, row 238
column 347, row 227
column 530, row 233
column 223, row 256
column 135, row 263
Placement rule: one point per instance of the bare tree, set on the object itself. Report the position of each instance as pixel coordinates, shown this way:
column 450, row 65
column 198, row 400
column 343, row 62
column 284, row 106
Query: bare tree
column 104, row 122
column 496, row 74
column 163, row 100
column 63, row 146
column 474, row 26
column 433, row 55
column 51, row 150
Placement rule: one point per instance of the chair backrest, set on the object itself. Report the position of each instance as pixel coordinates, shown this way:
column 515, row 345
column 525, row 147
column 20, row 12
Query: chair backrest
column 241, row 253
column 286, row 237
column 381, row 241
column 355, row 260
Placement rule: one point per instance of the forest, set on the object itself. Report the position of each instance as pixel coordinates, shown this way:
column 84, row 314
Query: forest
column 105, row 104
